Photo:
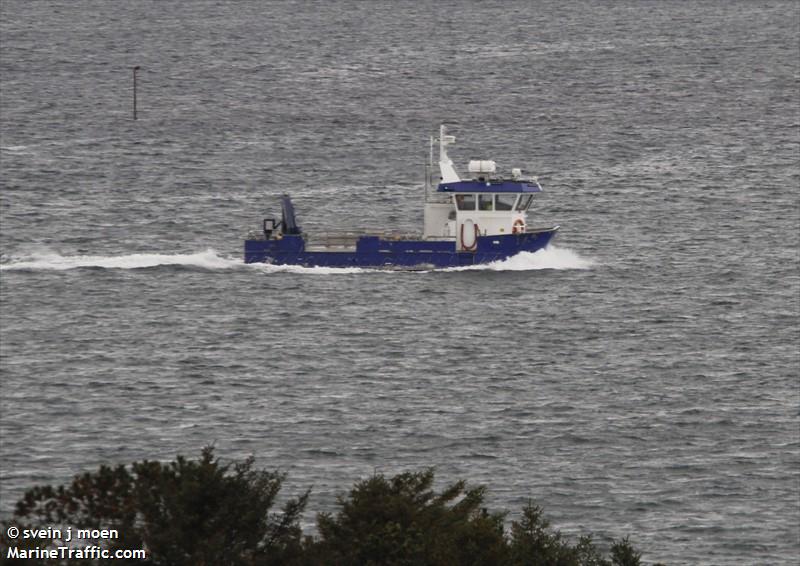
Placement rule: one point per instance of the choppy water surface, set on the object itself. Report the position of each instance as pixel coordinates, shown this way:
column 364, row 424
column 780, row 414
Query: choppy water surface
column 640, row 377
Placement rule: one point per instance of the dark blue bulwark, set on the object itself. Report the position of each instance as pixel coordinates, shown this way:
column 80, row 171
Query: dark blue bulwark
column 491, row 186
column 372, row 251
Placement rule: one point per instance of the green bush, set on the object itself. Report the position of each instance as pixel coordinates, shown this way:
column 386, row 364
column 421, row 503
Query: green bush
column 205, row 513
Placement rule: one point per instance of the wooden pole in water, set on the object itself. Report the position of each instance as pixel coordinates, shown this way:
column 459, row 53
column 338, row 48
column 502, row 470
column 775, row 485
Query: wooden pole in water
column 136, row 68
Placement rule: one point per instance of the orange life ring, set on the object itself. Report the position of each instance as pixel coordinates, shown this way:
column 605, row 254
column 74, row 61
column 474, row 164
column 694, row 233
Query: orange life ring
column 519, row 226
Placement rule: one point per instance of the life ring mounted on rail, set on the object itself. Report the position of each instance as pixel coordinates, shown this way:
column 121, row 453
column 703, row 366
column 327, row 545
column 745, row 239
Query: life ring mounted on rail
column 519, row 226
column 474, row 244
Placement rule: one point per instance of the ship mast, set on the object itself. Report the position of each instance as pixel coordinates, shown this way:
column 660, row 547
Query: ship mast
column 449, row 174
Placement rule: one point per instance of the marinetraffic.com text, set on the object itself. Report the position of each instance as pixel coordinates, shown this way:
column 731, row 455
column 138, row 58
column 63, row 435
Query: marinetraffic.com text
column 67, row 543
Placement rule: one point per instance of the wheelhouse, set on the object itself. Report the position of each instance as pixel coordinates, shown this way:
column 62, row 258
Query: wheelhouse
column 483, row 204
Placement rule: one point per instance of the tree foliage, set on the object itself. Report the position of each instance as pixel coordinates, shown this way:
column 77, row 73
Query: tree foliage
column 402, row 521
column 205, row 513
column 199, row 512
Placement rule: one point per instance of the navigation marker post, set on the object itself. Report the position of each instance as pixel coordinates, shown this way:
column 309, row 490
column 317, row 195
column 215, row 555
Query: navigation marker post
column 136, row 68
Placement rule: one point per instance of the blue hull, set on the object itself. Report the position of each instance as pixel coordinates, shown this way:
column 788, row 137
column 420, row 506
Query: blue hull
column 372, row 251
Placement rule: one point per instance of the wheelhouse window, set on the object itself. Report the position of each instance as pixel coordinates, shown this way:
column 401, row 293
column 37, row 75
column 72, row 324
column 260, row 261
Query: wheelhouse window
column 485, row 202
column 524, row 202
column 504, row 202
column 465, row 202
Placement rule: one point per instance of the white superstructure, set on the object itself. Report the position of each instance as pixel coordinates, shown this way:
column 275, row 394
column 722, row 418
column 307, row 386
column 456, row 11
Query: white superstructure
column 485, row 204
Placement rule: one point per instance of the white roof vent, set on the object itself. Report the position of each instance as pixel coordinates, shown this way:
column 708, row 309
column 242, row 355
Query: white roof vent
column 516, row 173
column 482, row 166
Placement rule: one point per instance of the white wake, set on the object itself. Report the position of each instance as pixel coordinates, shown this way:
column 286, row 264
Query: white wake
column 549, row 258
column 47, row 260
column 552, row 257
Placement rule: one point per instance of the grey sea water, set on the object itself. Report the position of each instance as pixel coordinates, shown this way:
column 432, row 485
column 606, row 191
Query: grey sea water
column 640, row 378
